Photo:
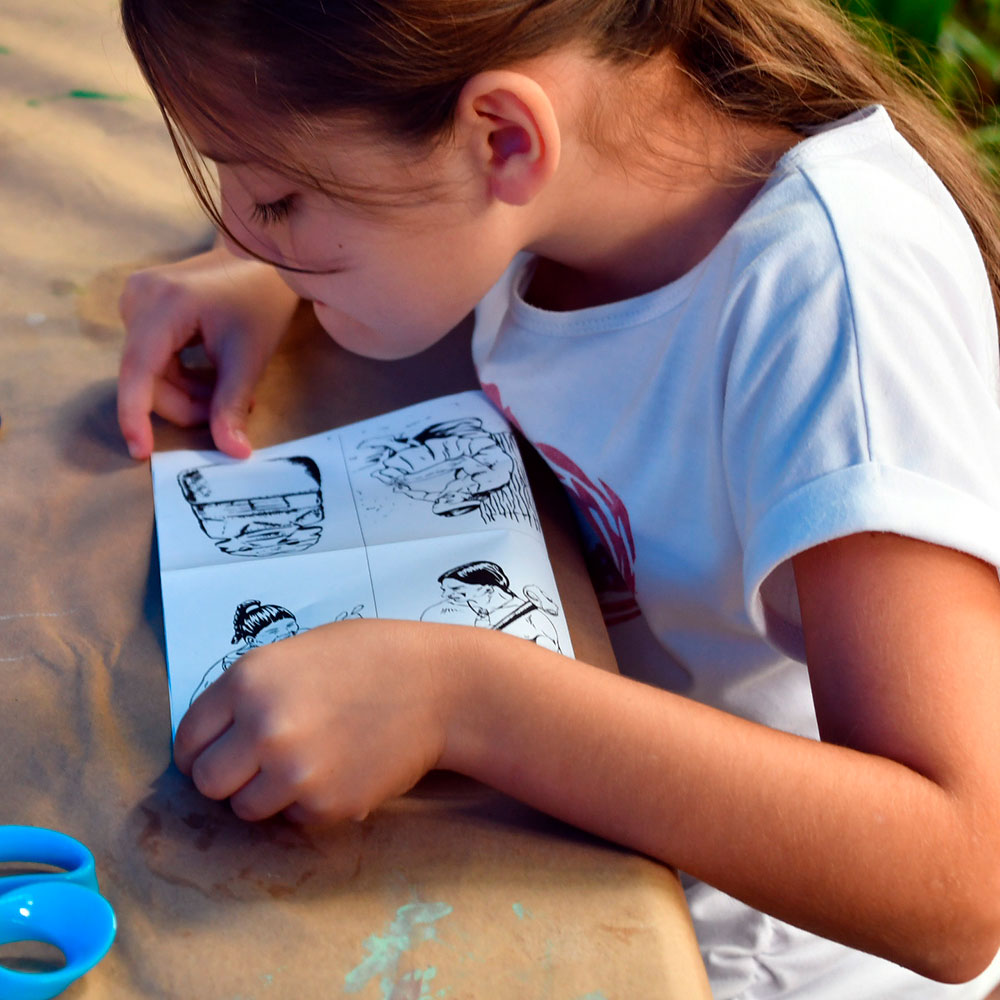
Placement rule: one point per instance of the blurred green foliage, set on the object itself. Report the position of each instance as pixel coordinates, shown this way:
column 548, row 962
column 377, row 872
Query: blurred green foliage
column 955, row 46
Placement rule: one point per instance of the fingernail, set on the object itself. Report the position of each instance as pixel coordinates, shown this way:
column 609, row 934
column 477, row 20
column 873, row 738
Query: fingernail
column 133, row 449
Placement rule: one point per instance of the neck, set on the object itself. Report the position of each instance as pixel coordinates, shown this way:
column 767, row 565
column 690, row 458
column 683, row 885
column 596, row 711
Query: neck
column 616, row 223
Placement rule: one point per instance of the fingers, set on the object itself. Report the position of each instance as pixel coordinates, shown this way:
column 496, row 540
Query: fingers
column 240, row 310
column 243, row 754
column 178, row 406
column 318, row 725
column 164, row 309
column 182, row 397
column 314, row 815
column 236, row 766
column 263, row 796
column 149, row 355
column 240, row 365
column 205, row 721
column 136, row 395
column 225, row 765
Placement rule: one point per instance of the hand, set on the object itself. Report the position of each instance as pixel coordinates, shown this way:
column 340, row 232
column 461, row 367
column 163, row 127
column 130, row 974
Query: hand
column 325, row 725
column 238, row 308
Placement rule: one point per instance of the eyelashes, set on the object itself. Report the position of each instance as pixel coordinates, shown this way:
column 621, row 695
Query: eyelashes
column 272, row 212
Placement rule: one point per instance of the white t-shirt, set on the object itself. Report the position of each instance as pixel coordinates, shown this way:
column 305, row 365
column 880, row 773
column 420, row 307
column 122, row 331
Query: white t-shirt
column 831, row 367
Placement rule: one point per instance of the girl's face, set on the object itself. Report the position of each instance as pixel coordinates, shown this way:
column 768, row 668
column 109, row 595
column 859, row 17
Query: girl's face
column 397, row 278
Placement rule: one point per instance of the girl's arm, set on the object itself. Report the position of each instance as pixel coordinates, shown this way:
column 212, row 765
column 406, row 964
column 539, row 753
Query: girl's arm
column 885, row 837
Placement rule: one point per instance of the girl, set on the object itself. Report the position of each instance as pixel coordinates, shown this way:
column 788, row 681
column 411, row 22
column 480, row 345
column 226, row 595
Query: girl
column 719, row 287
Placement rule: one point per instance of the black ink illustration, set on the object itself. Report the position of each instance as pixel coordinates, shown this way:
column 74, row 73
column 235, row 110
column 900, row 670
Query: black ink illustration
column 458, row 467
column 264, row 509
column 256, row 624
column 479, row 593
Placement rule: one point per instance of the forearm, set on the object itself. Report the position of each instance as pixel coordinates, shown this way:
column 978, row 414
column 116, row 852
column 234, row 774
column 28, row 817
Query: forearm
column 852, row 846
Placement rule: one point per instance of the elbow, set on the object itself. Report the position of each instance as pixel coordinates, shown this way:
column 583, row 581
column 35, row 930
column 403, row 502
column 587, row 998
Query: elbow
column 961, row 965
column 959, row 935
column 964, row 942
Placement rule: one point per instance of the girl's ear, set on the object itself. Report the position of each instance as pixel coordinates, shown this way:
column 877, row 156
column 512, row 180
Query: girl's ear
column 507, row 124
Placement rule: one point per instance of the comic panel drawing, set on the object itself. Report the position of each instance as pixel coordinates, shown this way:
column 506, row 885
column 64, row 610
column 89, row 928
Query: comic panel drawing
column 276, row 510
column 214, row 615
column 498, row 580
column 452, row 468
column 258, row 624
column 479, row 593
column 281, row 502
column 254, row 624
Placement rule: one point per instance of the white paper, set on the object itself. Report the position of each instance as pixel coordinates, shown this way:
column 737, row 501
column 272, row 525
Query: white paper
column 422, row 514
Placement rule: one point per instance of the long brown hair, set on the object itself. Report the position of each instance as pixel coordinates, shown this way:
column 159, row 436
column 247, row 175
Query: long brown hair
column 233, row 66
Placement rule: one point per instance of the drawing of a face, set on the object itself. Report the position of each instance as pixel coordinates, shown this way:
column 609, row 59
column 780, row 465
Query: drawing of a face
column 266, row 509
column 480, row 597
column 285, row 628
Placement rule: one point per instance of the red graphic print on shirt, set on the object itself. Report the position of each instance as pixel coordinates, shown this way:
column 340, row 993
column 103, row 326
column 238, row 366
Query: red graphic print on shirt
column 611, row 555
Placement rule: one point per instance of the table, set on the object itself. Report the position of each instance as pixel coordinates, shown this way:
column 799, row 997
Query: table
column 453, row 891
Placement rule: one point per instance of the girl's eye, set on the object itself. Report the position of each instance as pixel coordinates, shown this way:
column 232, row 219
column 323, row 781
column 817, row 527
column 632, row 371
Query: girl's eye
column 273, row 211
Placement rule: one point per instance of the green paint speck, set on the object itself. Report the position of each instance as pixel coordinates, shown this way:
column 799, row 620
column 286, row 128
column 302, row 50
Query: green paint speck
column 4, row 51
column 78, row 94
column 95, row 95
column 521, row 911
column 386, row 950
column 596, row 995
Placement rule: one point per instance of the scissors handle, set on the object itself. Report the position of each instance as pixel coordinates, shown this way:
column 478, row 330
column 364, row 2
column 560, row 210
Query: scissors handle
column 63, row 908
column 78, row 921
column 49, row 847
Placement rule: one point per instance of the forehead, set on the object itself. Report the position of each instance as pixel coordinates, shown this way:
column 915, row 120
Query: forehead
column 280, row 625
column 341, row 157
column 354, row 169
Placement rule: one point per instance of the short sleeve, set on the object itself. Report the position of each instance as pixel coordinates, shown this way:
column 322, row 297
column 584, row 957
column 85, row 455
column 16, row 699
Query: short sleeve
column 861, row 392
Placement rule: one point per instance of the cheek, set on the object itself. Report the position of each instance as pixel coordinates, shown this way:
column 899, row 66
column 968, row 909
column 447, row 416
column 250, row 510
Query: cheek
column 404, row 294
column 235, row 213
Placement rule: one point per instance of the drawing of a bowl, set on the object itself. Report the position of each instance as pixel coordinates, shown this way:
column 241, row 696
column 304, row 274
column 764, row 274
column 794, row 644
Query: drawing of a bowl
column 257, row 509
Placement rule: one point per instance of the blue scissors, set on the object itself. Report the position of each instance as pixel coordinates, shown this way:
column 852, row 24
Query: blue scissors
column 62, row 908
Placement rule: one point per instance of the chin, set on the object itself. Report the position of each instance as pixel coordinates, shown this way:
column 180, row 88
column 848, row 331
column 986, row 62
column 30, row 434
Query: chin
column 356, row 337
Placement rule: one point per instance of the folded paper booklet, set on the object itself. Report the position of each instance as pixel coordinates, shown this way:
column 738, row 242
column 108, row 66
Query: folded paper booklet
column 423, row 514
